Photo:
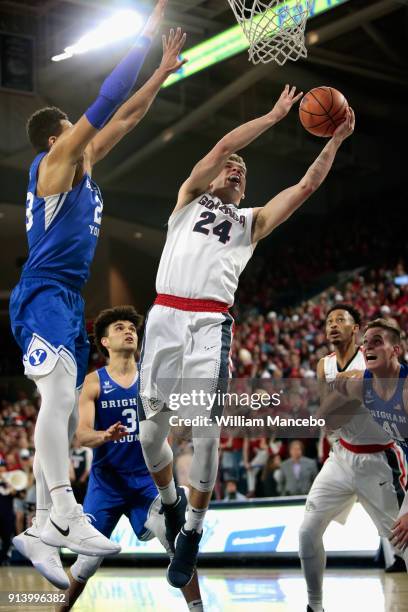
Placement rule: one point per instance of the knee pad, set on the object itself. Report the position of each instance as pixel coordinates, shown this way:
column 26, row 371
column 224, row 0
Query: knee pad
column 85, row 567
column 204, row 466
column 310, row 538
column 57, row 389
column 156, row 449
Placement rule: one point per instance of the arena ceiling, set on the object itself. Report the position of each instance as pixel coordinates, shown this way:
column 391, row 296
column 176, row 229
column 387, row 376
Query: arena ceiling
column 358, row 47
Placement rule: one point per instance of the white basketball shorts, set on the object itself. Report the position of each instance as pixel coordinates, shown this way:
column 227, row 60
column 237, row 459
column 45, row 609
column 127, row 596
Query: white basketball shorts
column 183, row 351
column 377, row 480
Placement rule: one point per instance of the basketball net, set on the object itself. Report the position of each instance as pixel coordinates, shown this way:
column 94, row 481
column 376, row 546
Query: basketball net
column 275, row 30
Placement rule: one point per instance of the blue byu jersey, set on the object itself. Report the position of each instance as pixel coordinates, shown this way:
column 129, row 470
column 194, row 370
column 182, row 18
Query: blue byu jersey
column 116, row 403
column 391, row 414
column 62, row 229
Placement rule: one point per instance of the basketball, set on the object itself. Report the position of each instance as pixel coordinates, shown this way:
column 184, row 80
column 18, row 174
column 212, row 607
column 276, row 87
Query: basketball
column 321, row 110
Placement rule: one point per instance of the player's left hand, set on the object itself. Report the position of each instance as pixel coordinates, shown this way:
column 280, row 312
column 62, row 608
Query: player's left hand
column 153, row 23
column 399, row 537
column 172, row 46
column 286, row 100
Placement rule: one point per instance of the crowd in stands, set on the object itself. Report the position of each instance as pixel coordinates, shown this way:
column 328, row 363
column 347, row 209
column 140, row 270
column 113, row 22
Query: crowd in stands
column 268, row 345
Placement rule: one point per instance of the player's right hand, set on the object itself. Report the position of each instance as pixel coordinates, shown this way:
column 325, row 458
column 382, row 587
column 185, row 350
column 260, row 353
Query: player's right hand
column 153, row 23
column 346, row 128
column 172, row 47
column 115, row 432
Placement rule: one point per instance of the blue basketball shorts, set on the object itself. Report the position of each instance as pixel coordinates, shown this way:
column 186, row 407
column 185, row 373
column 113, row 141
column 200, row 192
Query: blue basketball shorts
column 48, row 323
column 110, row 495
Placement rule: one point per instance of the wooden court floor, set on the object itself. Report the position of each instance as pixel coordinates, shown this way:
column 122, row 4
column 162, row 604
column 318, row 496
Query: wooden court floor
column 125, row 589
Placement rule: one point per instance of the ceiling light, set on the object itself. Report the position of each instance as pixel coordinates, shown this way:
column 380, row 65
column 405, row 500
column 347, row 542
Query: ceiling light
column 119, row 26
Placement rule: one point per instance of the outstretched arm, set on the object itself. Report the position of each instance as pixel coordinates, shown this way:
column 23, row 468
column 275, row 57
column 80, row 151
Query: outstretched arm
column 211, row 165
column 60, row 164
column 133, row 111
column 282, row 206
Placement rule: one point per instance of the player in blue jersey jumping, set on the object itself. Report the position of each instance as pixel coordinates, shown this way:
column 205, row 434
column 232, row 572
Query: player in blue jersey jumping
column 63, row 218
column 383, row 389
column 119, row 481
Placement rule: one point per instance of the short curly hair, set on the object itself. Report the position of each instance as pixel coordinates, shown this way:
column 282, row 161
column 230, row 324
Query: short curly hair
column 42, row 124
column 111, row 315
column 348, row 308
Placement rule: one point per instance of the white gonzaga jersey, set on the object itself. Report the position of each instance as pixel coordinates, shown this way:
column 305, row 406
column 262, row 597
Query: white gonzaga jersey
column 330, row 365
column 208, row 246
column 361, row 428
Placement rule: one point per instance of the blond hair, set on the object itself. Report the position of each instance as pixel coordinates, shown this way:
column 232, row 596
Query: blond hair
column 237, row 159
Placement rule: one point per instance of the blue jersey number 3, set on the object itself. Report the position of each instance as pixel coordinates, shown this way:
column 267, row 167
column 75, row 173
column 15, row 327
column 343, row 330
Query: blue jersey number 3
column 29, row 211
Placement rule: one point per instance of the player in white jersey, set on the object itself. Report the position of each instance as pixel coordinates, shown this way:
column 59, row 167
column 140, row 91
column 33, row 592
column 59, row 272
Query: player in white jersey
column 363, row 456
column 188, row 330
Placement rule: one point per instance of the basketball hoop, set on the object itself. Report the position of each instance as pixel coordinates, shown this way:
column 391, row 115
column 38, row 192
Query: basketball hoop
column 275, row 30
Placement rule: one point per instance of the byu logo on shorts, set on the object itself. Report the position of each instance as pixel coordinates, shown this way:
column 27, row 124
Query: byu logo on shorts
column 37, row 357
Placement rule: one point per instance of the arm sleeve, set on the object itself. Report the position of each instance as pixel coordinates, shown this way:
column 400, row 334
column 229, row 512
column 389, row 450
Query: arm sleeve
column 117, row 86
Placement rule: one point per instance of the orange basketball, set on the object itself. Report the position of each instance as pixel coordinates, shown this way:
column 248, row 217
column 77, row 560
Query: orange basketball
column 321, row 110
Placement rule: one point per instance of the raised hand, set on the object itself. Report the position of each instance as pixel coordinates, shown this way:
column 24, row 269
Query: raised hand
column 153, row 23
column 115, row 432
column 346, row 128
column 172, row 46
column 286, row 100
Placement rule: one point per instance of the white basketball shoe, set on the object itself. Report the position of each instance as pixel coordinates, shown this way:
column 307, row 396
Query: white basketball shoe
column 74, row 531
column 44, row 558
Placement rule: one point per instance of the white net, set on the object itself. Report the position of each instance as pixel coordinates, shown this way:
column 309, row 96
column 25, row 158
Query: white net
column 275, row 30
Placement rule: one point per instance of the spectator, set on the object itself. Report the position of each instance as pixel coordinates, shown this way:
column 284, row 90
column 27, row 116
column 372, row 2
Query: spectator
column 231, row 457
column 271, row 477
column 298, row 472
column 255, row 455
column 6, row 514
column 26, row 497
column 231, row 492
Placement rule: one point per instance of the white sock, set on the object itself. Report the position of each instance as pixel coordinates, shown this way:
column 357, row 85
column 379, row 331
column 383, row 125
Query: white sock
column 168, row 493
column 313, row 568
column 196, row 605
column 63, row 500
column 195, row 518
column 41, row 515
column 43, row 497
column 313, row 556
